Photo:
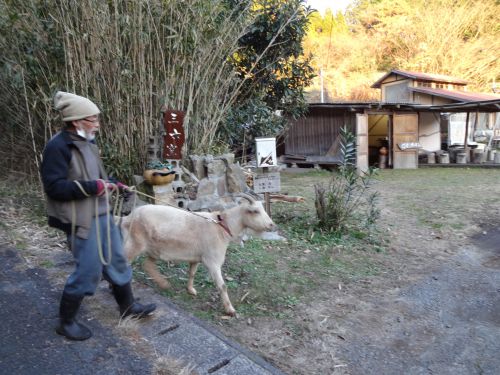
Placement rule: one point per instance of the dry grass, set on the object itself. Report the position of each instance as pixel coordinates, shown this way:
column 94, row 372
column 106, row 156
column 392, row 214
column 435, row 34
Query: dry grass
column 290, row 296
column 128, row 326
column 166, row 365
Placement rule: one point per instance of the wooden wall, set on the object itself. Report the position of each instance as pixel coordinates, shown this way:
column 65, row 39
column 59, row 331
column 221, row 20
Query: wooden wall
column 315, row 133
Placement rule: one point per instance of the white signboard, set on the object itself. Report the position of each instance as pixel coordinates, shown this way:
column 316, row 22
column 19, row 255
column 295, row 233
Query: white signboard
column 266, row 152
column 267, row 183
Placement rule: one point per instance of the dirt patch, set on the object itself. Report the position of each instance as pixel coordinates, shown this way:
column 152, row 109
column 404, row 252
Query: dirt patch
column 432, row 307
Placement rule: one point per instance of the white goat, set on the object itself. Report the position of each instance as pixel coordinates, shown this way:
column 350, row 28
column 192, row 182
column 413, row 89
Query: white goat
column 170, row 234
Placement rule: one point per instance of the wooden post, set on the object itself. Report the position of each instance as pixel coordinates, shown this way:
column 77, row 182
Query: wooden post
column 475, row 123
column 473, row 131
column 267, row 202
column 466, row 147
column 267, row 198
column 493, row 132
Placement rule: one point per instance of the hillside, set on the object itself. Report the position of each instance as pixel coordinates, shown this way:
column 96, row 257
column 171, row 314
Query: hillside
column 452, row 37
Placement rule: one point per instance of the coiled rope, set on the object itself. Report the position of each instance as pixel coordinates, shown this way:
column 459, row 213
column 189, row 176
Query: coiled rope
column 118, row 205
column 117, row 209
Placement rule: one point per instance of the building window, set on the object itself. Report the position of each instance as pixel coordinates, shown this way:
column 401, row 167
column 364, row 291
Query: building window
column 423, row 84
column 441, row 85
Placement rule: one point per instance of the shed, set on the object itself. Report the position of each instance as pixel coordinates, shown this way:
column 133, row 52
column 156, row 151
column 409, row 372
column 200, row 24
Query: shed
column 418, row 114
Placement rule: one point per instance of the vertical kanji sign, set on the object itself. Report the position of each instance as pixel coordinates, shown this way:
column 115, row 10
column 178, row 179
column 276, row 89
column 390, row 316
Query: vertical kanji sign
column 173, row 122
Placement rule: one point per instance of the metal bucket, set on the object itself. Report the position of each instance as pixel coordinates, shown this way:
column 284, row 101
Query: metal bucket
column 491, row 155
column 477, row 156
column 461, row 158
column 444, row 158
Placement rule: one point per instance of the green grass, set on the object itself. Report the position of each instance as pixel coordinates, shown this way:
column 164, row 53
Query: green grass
column 267, row 278
column 437, row 197
column 272, row 278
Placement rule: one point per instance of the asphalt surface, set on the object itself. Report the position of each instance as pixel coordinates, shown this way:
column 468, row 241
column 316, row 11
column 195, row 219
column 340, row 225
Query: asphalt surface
column 448, row 323
column 29, row 344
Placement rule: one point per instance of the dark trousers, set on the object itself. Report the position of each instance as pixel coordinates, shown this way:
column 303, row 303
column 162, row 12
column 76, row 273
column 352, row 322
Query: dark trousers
column 89, row 267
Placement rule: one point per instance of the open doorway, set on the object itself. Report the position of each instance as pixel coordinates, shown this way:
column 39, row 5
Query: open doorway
column 379, row 147
column 387, row 140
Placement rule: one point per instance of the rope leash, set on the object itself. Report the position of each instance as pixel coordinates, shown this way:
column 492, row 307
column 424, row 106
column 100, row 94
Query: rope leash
column 108, row 228
column 117, row 209
column 134, row 190
column 118, row 203
column 219, row 220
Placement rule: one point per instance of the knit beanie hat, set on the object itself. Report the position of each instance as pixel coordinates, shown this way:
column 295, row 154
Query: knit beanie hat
column 74, row 107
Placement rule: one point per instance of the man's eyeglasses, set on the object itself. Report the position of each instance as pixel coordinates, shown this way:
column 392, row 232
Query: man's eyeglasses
column 92, row 121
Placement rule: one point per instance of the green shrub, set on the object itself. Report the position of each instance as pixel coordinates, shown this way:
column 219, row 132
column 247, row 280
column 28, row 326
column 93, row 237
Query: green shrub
column 347, row 201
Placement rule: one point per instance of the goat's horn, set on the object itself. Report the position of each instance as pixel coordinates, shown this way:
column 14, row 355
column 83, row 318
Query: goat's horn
column 249, row 198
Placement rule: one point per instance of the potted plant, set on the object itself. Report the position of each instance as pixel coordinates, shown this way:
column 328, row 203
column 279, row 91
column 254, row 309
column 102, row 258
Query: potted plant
column 158, row 173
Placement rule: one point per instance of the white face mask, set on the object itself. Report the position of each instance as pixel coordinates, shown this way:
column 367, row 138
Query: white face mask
column 82, row 133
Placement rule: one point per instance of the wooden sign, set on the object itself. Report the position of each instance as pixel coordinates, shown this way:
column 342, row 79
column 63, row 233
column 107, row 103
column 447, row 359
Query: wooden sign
column 267, row 183
column 173, row 122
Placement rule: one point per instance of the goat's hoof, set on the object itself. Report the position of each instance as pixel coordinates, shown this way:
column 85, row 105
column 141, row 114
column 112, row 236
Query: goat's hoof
column 231, row 312
column 192, row 291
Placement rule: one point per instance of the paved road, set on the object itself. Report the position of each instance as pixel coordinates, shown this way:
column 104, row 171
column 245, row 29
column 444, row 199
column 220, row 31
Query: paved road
column 29, row 344
column 447, row 323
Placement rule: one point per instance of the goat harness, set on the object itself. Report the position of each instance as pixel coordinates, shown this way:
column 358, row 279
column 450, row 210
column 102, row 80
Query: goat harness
column 222, row 223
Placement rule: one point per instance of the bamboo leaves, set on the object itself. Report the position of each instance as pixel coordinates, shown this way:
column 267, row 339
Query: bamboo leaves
column 133, row 58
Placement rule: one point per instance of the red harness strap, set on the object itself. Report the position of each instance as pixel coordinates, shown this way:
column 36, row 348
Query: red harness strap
column 223, row 225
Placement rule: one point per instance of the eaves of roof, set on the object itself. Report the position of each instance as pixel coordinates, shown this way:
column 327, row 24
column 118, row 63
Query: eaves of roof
column 419, row 76
column 461, row 96
column 359, row 107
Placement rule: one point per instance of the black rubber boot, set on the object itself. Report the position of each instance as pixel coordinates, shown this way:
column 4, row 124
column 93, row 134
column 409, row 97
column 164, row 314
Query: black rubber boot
column 128, row 306
column 68, row 326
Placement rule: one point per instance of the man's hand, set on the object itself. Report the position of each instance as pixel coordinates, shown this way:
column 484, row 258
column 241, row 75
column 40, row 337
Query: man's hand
column 125, row 191
column 122, row 188
column 102, row 186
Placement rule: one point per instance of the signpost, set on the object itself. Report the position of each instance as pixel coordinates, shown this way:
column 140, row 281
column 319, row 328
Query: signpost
column 173, row 122
column 267, row 178
column 266, row 152
column 266, row 182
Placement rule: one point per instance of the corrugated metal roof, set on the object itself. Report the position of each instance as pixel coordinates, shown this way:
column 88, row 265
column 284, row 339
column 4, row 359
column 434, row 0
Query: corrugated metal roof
column 420, row 76
column 462, row 96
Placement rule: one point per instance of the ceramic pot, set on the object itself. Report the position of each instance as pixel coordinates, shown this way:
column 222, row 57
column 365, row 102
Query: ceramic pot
column 158, row 176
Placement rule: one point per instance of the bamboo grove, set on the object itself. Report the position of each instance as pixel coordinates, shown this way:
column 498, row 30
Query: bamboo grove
column 133, row 58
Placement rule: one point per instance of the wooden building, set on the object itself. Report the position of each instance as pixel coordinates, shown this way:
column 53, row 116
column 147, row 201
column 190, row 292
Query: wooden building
column 418, row 114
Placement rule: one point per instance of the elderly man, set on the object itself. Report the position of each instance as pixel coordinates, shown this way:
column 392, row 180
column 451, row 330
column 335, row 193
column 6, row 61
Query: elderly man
column 76, row 186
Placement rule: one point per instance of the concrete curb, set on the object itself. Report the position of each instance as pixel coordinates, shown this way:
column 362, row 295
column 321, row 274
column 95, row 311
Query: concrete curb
column 28, row 343
column 178, row 334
